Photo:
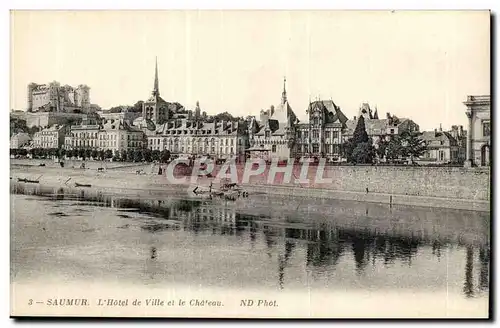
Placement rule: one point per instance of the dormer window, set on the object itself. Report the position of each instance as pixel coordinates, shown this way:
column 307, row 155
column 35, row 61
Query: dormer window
column 268, row 134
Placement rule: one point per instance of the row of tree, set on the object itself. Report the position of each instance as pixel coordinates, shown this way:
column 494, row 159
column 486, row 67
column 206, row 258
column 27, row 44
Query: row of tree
column 130, row 155
column 360, row 149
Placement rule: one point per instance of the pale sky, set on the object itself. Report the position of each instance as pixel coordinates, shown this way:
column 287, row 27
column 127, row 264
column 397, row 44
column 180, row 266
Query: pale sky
column 420, row 65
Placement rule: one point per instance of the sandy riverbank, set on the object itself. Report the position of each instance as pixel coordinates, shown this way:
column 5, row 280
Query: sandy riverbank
column 120, row 177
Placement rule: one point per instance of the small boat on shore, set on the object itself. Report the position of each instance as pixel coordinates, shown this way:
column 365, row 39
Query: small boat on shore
column 227, row 193
column 82, row 185
column 27, row 180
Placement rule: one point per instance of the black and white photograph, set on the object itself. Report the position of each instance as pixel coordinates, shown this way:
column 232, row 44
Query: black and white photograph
column 292, row 164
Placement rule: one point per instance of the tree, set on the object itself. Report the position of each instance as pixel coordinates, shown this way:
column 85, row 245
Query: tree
column 88, row 153
column 101, row 155
column 81, row 153
column 394, row 149
column 130, row 155
column 147, row 154
column 363, row 153
column 413, row 145
column 382, row 148
column 138, row 155
column 360, row 135
column 137, row 108
column 155, row 155
column 164, row 155
column 61, row 152
column 347, row 149
column 123, row 155
column 108, row 154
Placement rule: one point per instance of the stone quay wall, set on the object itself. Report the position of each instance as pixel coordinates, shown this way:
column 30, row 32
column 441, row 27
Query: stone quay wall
column 446, row 182
column 459, row 188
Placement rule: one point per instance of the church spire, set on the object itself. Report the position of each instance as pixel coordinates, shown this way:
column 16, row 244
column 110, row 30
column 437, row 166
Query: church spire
column 283, row 95
column 156, row 90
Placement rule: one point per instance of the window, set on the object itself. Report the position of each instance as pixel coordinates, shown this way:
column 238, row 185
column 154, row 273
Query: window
column 315, row 148
column 486, row 129
column 306, row 134
column 273, row 149
column 315, row 134
column 441, row 155
column 392, row 131
column 328, row 134
column 268, row 134
column 316, row 120
column 299, row 134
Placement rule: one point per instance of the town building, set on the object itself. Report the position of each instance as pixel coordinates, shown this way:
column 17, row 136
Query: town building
column 378, row 129
column 443, row 147
column 104, row 134
column 51, row 137
column 321, row 137
column 53, row 97
column 219, row 139
column 125, row 115
column 85, row 134
column 273, row 136
column 19, row 140
column 119, row 135
column 479, row 130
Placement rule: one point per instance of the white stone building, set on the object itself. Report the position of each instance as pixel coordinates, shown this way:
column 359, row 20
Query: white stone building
column 479, row 130
column 19, row 140
column 52, row 137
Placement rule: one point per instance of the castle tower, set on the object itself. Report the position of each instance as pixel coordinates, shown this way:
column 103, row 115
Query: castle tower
column 31, row 87
column 197, row 111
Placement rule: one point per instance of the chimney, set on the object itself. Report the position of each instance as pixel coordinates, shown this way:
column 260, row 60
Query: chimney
column 440, row 128
column 222, row 125
column 354, row 118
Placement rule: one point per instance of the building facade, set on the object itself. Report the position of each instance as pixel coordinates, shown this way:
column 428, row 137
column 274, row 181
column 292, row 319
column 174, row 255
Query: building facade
column 104, row 134
column 184, row 137
column 442, row 148
column 19, row 140
column 479, row 130
column 52, row 137
column 53, row 97
column 273, row 137
column 378, row 129
column 322, row 136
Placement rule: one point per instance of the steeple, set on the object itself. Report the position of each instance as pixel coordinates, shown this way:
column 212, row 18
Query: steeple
column 156, row 90
column 375, row 115
column 283, row 95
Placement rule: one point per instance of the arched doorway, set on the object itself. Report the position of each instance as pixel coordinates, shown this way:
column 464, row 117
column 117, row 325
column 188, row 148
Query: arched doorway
column 485, row 155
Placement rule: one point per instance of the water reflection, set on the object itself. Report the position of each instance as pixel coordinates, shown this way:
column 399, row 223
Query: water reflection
column 325, row 243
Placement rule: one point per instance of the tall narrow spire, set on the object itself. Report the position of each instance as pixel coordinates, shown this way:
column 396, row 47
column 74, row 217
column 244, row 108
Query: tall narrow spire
column 156, row 90
column 283, row 95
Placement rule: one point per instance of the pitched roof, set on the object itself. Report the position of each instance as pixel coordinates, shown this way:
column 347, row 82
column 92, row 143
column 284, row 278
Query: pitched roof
column 430, row 136
column 373, row 126
column 331, row 111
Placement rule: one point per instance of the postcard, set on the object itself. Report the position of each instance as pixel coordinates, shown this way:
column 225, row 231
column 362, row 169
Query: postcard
column 250, row 164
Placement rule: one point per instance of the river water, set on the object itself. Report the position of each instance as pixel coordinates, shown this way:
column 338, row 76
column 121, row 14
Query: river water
column 269, row 243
